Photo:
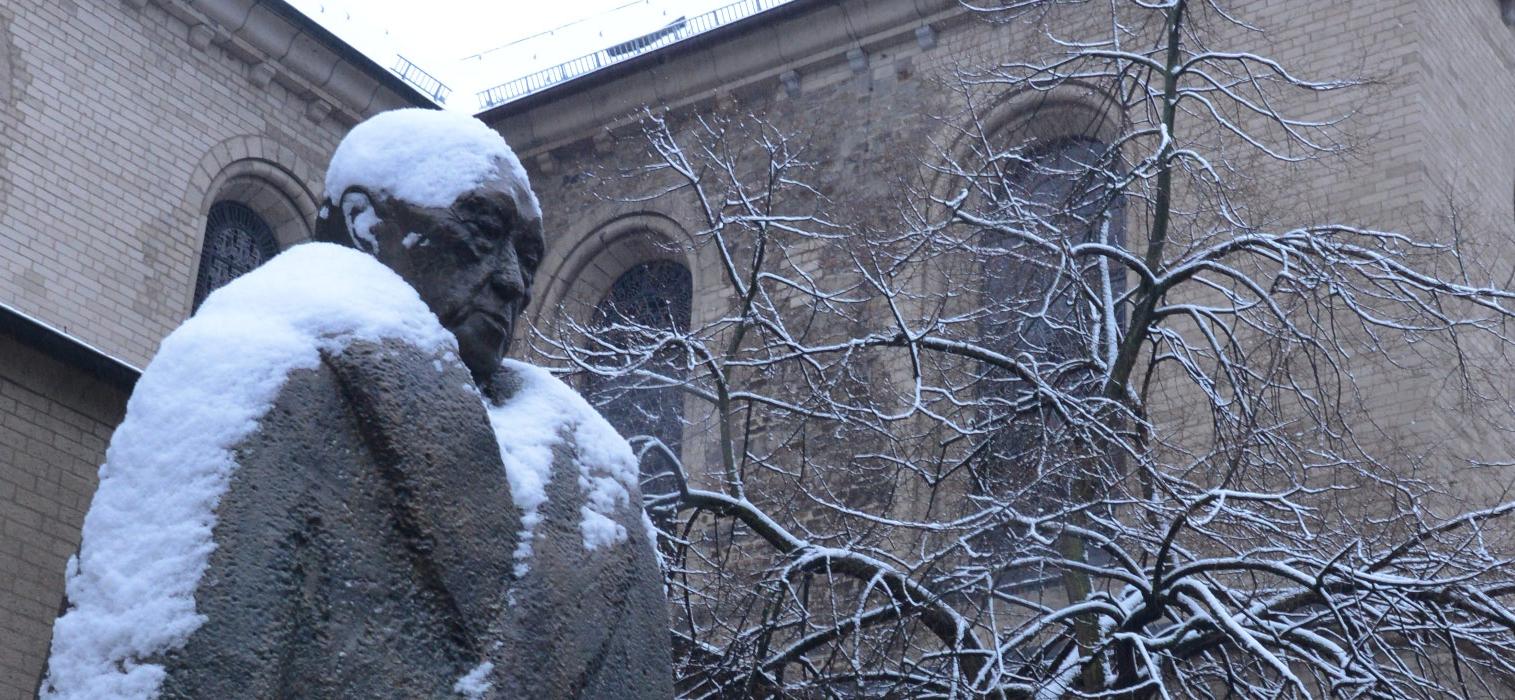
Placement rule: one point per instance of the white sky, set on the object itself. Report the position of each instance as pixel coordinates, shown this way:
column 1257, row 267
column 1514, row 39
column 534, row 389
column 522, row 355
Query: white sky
column 473, row 45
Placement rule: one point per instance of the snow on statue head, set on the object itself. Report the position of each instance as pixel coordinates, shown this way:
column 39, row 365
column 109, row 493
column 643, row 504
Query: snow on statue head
column 439, row 198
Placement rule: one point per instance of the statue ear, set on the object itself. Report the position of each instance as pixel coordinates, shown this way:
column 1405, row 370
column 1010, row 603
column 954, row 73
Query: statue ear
column 358, row 218
column 331, row 227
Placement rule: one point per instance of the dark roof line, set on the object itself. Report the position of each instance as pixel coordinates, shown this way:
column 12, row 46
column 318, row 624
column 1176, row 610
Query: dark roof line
column 347, row 53
column 643, row 61
column 67, row 349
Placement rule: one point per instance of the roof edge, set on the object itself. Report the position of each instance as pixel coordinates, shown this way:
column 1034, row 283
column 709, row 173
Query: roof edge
column 640, row 63
column 348, row 53
column 67, row 349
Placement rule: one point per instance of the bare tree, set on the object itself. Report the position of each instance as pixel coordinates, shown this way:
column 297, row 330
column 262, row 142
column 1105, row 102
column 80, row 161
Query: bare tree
column 1078, row 422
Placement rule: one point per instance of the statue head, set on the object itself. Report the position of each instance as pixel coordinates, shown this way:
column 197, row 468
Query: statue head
column 440, row 199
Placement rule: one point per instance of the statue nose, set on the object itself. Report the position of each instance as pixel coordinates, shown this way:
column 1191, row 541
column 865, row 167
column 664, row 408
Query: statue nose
column 507, row 280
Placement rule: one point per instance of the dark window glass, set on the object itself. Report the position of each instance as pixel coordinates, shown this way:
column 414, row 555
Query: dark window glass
column 236, row 241
column 1042, row 306
column 645, row 303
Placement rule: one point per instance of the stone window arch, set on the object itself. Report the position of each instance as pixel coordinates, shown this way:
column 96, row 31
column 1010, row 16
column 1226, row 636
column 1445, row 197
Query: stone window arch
column 260, row 175
column 289, row 215
column 254, row 210
column 647, row 300
column 1059, row 196
column 597, row 263
column 237, row 240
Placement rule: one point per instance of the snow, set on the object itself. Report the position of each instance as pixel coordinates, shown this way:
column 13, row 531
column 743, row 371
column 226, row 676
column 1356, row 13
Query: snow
column 426, row 157
column 526, row 428
column 362, row 227
column 607, row 472
column 147, row 535
column 473, row 686
column 652, row 539
column 541, row 412
column 600, row 530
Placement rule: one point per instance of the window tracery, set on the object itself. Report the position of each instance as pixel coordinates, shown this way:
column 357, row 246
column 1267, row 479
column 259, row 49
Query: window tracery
column 644, row 305
column 1046, row 306
column 237, row 240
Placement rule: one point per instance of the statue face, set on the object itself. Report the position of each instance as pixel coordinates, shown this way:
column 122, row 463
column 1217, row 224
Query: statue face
column 472, row 263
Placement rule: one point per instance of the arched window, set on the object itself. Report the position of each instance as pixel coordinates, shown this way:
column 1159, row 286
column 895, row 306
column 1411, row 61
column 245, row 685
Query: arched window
column 1059, row 194
column 236, row 241
column 642, row 306
column 1057, row 311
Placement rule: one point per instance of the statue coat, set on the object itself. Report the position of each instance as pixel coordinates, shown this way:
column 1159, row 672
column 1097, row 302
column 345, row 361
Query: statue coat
column 364, row 550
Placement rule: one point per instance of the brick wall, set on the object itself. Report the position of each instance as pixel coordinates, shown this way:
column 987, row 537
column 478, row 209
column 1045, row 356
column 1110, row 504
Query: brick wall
column 116, row 133
column 866, row 130
column 1434, row 112
column 869, row 128
column 106, row 112
column 112, row 127
column 54, row 424
column 1467, row 109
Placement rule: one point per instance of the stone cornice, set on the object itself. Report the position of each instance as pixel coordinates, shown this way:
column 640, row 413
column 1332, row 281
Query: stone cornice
column 782, row 43
column 67, row 349
column 278, row 43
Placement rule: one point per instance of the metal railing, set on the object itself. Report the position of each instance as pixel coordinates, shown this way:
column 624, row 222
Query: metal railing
column 674, row 32
column 421, row 80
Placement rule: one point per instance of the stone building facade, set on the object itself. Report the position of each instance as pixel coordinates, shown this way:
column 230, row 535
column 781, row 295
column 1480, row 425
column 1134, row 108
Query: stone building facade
column 123, row 123
column 868, row 85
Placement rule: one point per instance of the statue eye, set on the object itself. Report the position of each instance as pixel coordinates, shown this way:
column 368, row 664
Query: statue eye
column 479, row 242
column 528, row 244
column 529, row 250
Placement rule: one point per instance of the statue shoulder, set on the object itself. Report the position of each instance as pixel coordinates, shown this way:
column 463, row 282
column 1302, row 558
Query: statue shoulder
column 396, row 365
column 584, row 553
column 519, row 385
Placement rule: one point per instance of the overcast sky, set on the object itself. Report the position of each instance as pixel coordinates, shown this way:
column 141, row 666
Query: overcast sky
column 473, row 45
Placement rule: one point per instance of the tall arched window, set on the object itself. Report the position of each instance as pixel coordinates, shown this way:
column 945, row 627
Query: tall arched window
column 642, row 306
column 1046, row 306
column 236, row 241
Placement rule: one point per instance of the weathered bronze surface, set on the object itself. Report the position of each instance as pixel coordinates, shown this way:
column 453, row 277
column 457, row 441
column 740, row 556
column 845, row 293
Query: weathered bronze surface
column 365, row 543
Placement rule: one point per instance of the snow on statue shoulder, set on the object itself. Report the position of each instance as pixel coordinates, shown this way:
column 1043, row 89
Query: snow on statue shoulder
column 312, row 497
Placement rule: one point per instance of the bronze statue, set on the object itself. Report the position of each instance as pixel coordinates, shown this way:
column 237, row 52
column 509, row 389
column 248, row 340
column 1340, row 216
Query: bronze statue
column 367, row 542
